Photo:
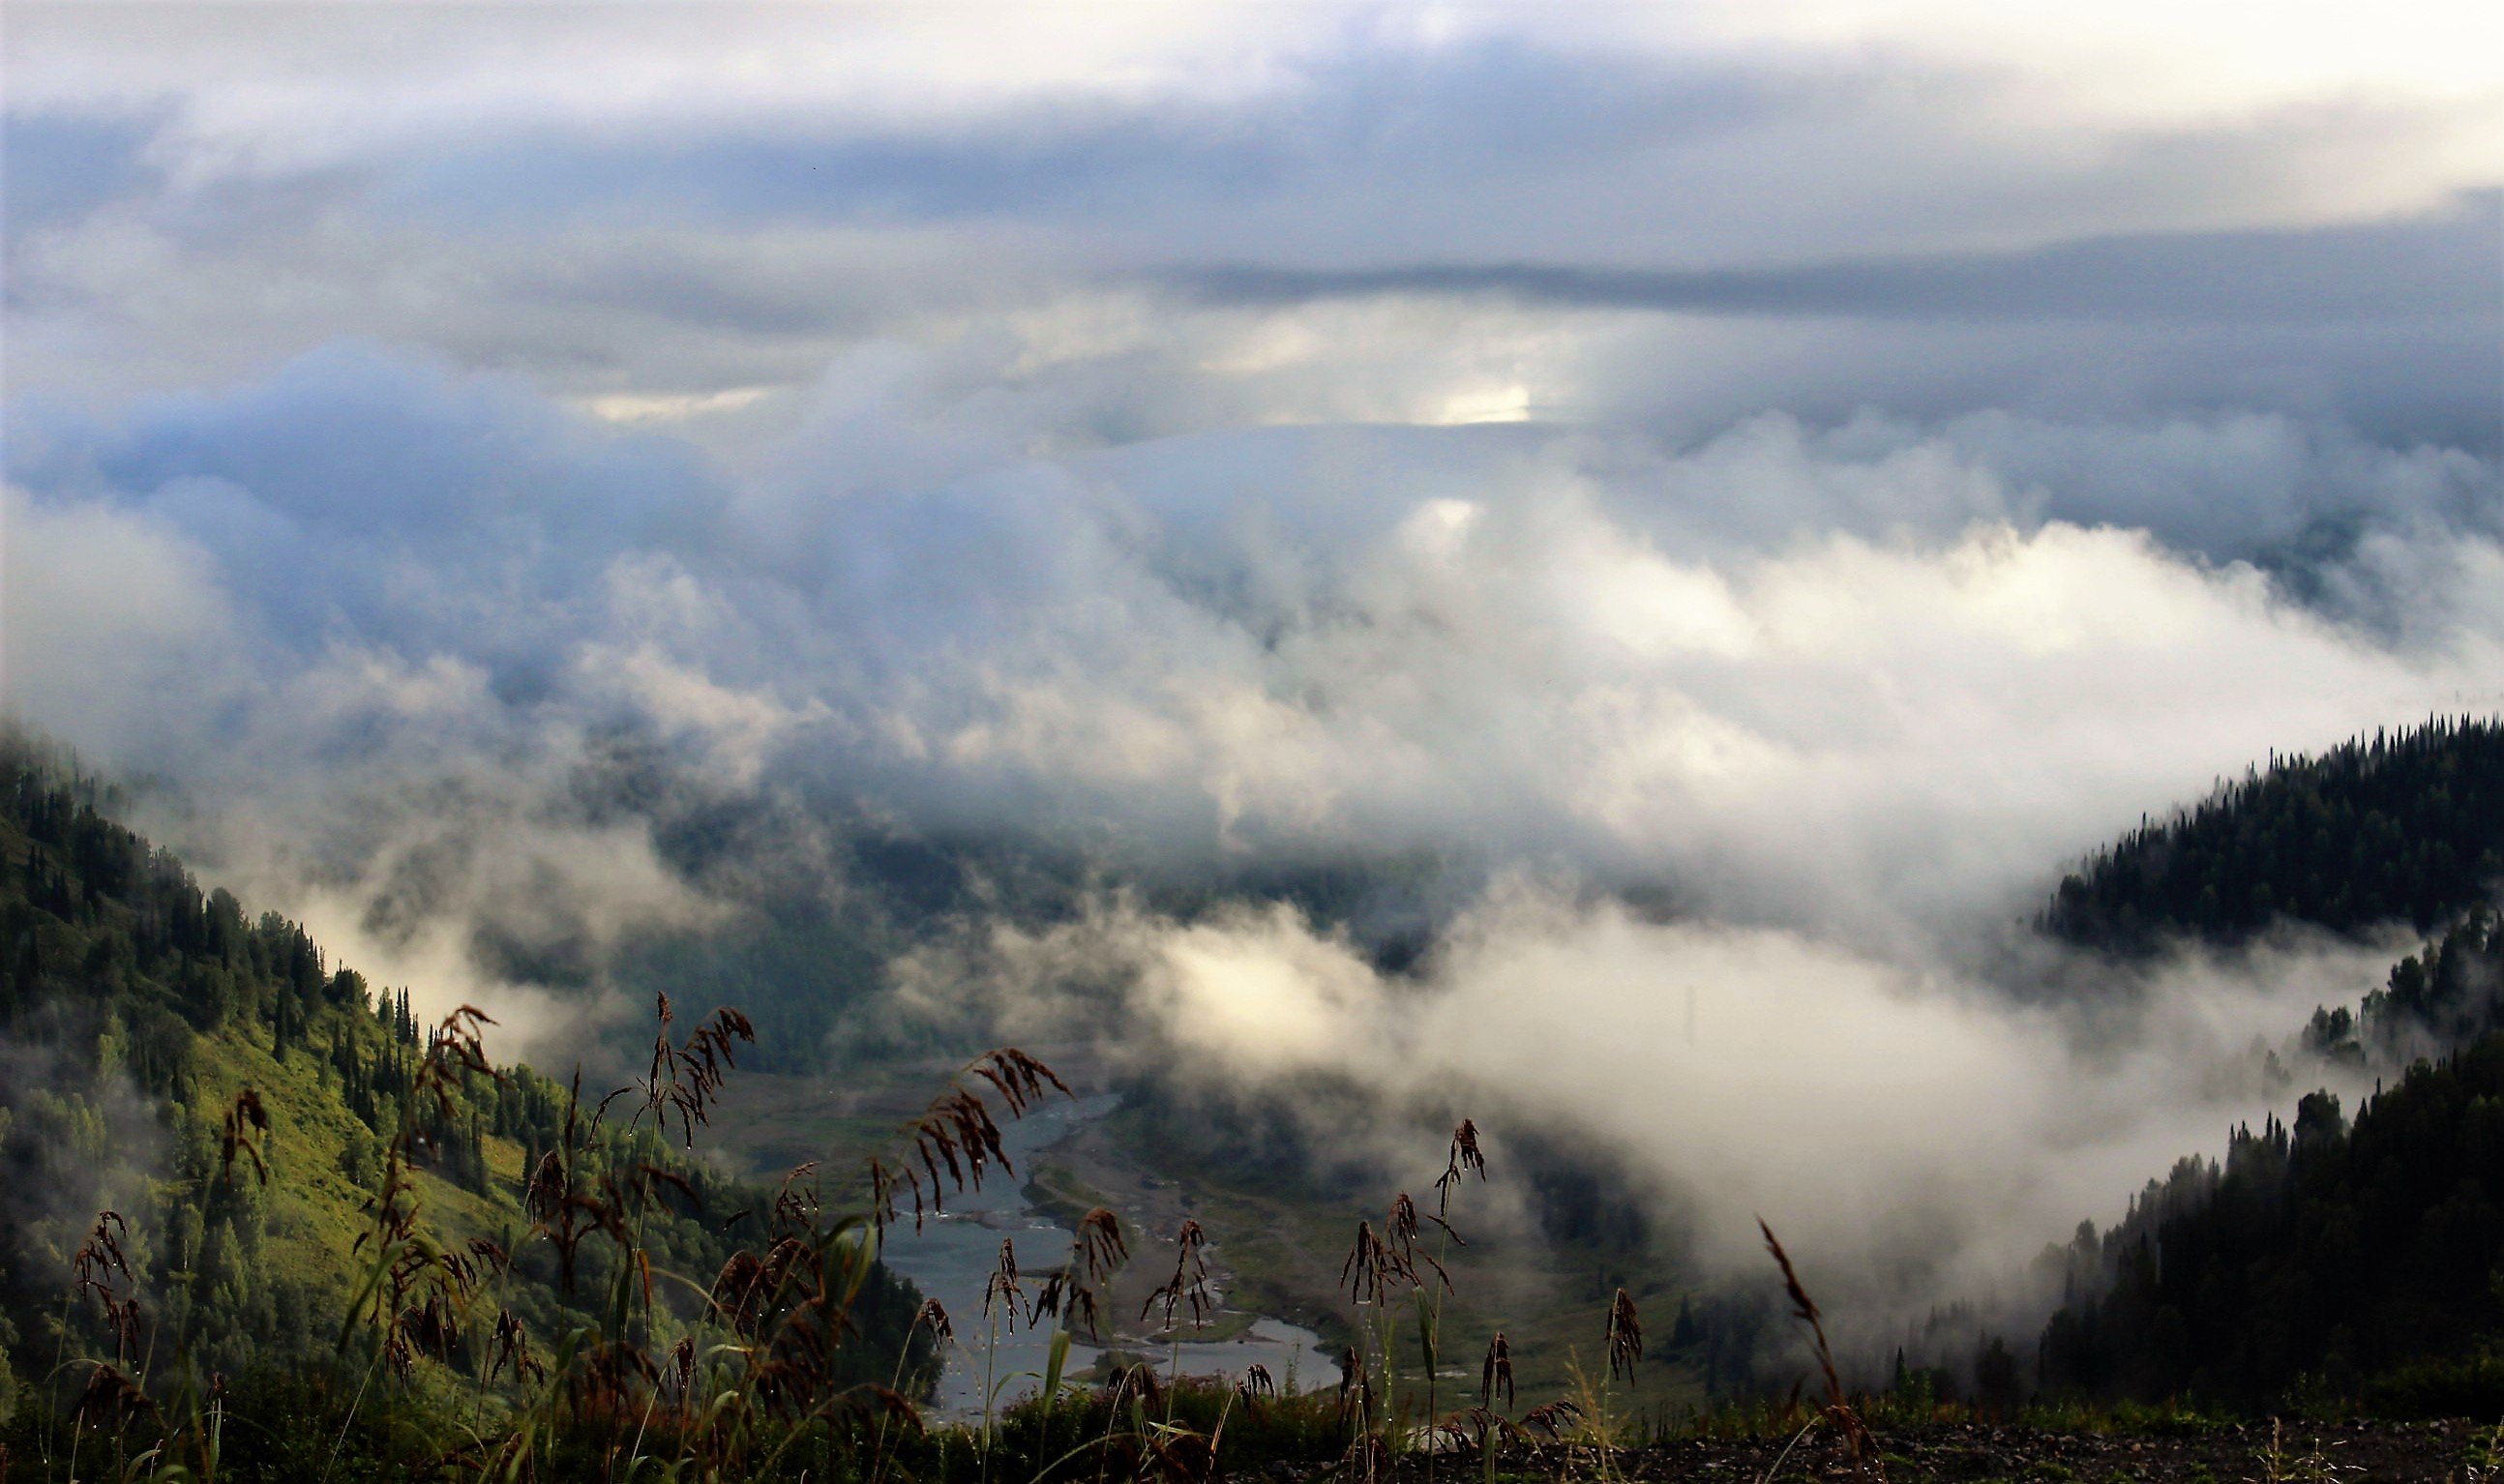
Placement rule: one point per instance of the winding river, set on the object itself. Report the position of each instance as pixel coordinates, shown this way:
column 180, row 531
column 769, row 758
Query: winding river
column 952, row 1257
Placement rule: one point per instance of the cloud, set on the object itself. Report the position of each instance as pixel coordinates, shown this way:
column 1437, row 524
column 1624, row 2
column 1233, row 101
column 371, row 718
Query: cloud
column 102, row 610
column 334, row 84
column 717, row 215
column 61, row 168
column 1915, row 1130
column 2385, row 269
column 1757, row 671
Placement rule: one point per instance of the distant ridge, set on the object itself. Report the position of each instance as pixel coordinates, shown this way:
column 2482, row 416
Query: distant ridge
column 2402, row 825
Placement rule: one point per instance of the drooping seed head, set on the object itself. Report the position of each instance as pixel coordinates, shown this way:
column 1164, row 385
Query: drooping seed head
column 1495, row 1378
column 1002, row 1288
column 1190, row 1281
column 1624, row 1335
column 1100, row 1246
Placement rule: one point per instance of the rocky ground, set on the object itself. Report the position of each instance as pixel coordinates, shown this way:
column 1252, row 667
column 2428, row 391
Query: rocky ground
column 2350, row 1453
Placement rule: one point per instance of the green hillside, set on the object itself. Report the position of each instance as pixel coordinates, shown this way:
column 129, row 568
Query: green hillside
column 233, row 1166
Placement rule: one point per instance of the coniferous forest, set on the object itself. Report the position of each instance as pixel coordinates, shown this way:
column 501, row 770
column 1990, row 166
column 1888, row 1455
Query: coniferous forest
column 2328, row 1260
column 2324, row 1262
column 2403, row 825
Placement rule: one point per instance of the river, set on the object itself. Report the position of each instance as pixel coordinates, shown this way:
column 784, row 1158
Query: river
column 954, row 1256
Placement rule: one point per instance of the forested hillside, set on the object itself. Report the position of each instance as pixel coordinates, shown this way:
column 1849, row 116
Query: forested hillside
column 228, row 1158
column 2403, row 825
column 2321, row 1263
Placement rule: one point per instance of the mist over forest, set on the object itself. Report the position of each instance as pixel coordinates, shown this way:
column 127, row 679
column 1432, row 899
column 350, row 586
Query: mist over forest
column 1883, row 619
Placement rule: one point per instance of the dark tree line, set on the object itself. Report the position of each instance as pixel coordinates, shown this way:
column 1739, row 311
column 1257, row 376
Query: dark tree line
column 2319, row 1255
column 2401, row 825
column 2321, row 1262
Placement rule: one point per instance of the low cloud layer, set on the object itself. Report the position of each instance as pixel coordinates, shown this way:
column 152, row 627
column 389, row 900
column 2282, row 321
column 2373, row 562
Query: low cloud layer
column 1730, row 499
column 1758, row 672
column 1915, row 1130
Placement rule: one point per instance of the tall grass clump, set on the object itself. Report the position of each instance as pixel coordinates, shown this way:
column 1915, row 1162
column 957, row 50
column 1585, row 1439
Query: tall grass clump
column 1838, row 1411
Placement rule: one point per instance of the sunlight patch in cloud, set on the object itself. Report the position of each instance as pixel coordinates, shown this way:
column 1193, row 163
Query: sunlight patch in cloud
column 1482, row 404
column 668, row 407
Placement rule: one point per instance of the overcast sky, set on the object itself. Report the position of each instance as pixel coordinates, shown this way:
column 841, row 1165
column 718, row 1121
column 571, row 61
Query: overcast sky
column 1740, row 446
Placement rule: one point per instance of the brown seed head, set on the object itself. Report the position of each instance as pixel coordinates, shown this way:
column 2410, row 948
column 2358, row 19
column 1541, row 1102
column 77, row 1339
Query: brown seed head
column 1464, row 1156
column 1495, row 1378
column 1624, row 1335
column 1002, row 1288
column 1402, row 1226
column 1190, row 1281
column 1373, row 1266
column 110, row 1397
column 244, row 1129
column 1100, row 1246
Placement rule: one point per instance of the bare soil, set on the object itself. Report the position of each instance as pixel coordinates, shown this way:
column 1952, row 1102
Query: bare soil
column 2309, row 1453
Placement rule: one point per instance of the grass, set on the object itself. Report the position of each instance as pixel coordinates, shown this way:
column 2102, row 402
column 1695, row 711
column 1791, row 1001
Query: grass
column 316, row 1211
column 1271, row 1236
column 743, row 1385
